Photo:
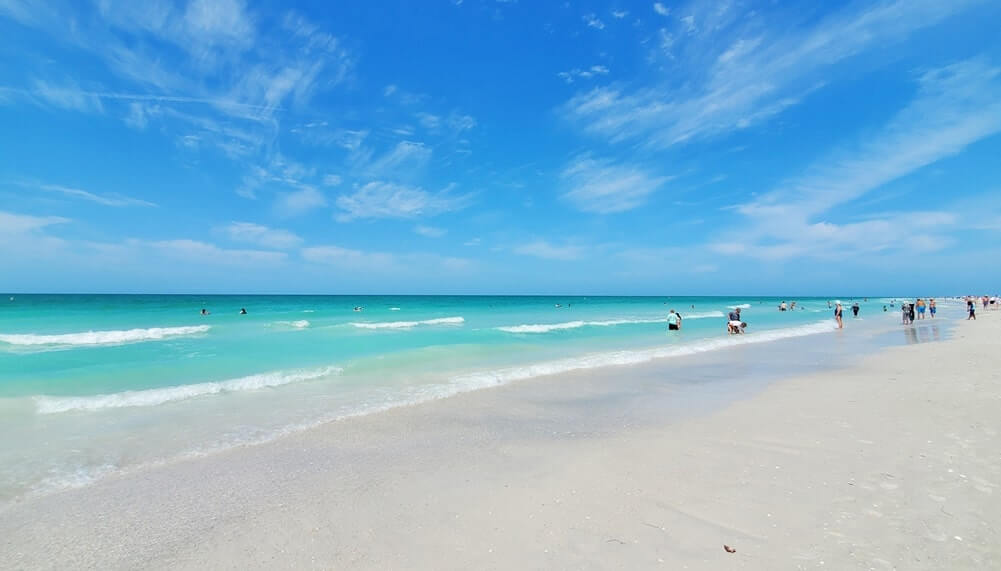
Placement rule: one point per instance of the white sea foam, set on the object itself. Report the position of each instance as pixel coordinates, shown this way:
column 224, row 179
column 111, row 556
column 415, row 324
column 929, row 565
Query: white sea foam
column 409, row 324
column 593, row 361
column 154, row 397
column 394, row 309
column 741, row 306
column 547, row 327
column 102, row 337
column 298, row 324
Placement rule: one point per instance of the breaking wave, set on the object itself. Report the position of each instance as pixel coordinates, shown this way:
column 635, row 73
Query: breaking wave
column 154, row 397
column 101, row 337
column 409, row 324
column 547, row 327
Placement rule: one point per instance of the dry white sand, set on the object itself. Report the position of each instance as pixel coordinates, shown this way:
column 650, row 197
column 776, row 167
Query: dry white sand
column 893, row 463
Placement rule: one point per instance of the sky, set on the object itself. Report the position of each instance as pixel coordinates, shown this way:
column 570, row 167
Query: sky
column 500, row 146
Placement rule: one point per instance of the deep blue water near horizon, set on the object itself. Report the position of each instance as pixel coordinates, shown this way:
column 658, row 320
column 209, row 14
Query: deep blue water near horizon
column 91, row 384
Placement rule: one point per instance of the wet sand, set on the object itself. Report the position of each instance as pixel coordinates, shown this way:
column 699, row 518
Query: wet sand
column 892, row 462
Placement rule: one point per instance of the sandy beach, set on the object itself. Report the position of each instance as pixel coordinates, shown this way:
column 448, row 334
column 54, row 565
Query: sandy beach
column 890, row 462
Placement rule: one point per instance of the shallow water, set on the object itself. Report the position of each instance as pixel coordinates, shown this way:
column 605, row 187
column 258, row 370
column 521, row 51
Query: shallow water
column 90, row 385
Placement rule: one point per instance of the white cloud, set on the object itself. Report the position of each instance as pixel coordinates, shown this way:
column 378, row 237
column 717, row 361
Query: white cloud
column 68, row 96
column 754, row 76
column 331, row 180
column 196, row 252
column 12, row 223
column 460, row 122
column 251, row 233
column 137, row 117
column 661, row 9
column 619, row 14
column 395, row 264
column 336, row 255
column 689, row 22
column 603, row 187
column 545, row 250
column 430, row 231
column 105, row 199
column 299, row 201
column 955, row 107
column 576, row 73
column 428, row 120
column 406, row 156
column 593, row 22
column 388, row 200
column 472, row 242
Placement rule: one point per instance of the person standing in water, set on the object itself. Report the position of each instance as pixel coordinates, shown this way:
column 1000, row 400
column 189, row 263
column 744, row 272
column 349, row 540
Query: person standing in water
column 855, row 309
column 921, row 308
column 931, row 307
column 972, row 307
column 673, row 321
column 838, row 314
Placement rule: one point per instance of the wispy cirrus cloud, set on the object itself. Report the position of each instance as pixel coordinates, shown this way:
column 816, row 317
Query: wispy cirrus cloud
column 299, row 201
column 260, row 235
column 605, row 187
column 956, row 106
column 577, row 73
column 397, row 264
column 115, row 200
column 593, row 21
column 15, row 223
column 68, row 96
column 389, row 200
column 744, row 81
column 430, row 231
column 548, row 251
column 207, row 253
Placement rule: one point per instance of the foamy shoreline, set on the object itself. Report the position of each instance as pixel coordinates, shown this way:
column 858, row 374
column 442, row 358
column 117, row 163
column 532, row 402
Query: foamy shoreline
column 891, row 462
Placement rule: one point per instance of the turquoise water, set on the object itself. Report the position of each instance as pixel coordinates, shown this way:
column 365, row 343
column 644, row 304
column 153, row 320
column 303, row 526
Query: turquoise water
column 93, row 384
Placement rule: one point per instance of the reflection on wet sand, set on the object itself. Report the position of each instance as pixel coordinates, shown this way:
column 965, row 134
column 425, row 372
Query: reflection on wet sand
column 922, row 334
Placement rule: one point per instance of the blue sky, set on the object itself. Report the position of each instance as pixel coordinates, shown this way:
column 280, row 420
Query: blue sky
column 486, row 146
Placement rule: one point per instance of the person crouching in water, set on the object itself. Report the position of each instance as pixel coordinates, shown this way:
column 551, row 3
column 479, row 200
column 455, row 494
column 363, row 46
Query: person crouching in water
column 734, row 326
column 673, row 321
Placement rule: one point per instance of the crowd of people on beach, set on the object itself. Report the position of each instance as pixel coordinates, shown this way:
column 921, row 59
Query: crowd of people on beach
column 910, row 312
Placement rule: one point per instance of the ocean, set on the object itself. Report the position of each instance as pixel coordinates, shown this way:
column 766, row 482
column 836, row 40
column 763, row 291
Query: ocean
column 91, row 385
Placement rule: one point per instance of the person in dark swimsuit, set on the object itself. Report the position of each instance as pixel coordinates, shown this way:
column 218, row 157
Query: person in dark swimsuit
column 838, row 313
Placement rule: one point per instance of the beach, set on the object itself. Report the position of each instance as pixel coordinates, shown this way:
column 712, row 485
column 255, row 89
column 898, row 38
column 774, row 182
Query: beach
column 887, row 461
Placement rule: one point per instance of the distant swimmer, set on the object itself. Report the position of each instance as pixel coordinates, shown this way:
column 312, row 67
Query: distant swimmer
column 358, row 308
column 783, row 306
column 673, row 321
column 243, row 311
column 558, row 305
column 205, row 311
